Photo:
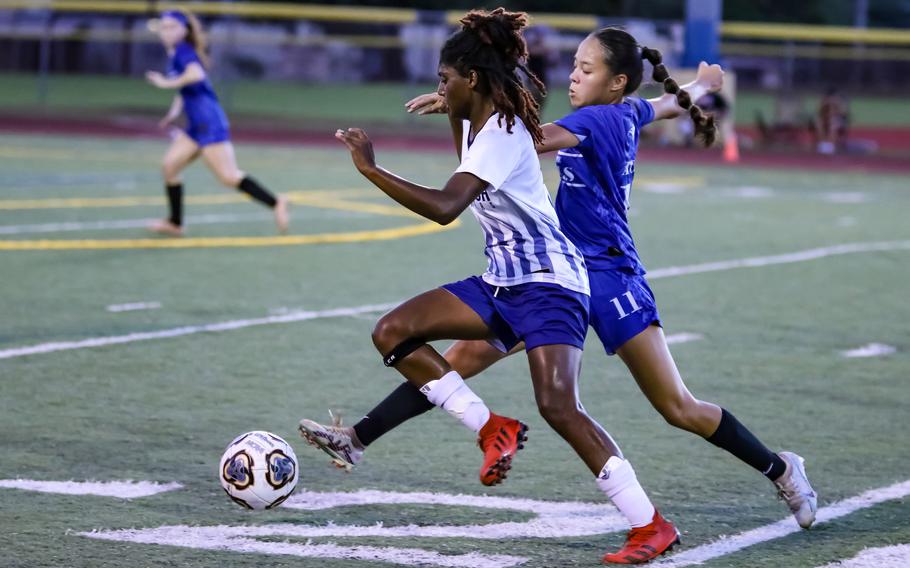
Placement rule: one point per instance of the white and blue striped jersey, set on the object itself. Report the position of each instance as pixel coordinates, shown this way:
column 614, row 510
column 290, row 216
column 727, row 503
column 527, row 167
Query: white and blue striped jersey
column 523, row 240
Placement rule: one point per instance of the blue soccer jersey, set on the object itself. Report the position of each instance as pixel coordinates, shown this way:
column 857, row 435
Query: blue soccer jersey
column 595, row 180
column 524, row 242
column 206, row 120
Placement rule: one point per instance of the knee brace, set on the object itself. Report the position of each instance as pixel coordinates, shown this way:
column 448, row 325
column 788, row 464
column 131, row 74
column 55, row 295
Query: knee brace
column 402, row 350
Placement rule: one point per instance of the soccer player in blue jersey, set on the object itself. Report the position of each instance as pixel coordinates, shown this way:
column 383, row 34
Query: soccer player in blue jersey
column 535, row 289
column 597, row 144
column 207, row 132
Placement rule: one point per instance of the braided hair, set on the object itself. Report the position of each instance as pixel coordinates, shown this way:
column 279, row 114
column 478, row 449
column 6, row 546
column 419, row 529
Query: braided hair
column 491, row 44
column 624, row 57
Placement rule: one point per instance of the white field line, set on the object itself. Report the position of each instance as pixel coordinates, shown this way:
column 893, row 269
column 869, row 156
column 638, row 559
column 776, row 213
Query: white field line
column 780, row 529
column 133, row 306
column 189, row 330
column 125, row 223
column 683, row 337
column 897, row 556
column 848, row 197
column 195, row 537
column 869, row 350
column 786, row 258
column 210, row 219
column 119, row 489
column 552, row 519
column 753, row 262
column 667, row 187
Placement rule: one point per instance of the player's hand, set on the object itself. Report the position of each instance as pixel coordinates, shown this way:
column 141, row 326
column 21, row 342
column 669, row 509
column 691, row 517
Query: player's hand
column 156, row 78
column 711, row 77
column 360, row 146
column 430, row 103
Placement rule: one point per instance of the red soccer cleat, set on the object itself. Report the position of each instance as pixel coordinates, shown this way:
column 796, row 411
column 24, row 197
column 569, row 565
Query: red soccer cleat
column 646, row 543
column 499, row 439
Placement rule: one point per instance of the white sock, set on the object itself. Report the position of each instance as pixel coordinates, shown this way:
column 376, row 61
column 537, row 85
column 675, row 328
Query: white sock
column 617, row 479
column 455, row 397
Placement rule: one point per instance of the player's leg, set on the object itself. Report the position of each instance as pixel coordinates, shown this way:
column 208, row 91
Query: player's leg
column 466, row 357
column 461, row 310
column 554, row 371
column 401, row 336
column 182, row 151
column 649, row 360
column 220, row 159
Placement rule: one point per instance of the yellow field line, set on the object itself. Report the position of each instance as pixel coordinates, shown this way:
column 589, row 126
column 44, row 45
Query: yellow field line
column 326, row 199
column 314, row 198
column 360, row 207
column 229, row 242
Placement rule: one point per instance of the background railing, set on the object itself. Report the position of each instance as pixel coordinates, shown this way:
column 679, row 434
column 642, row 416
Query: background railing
column 82, row 36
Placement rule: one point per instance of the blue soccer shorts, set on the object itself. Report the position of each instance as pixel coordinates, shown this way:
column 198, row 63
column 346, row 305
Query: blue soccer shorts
column 622, row 306
column 537, row 313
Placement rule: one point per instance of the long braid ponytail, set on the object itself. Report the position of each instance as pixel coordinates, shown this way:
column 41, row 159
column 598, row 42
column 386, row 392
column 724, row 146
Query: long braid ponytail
column 705, row 126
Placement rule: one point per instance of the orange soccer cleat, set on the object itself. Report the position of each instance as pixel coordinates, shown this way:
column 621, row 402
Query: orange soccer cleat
column 499, row 439
column 646, row 543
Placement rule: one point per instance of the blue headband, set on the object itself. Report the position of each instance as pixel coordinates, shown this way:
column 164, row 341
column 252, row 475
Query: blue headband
column 177, row 15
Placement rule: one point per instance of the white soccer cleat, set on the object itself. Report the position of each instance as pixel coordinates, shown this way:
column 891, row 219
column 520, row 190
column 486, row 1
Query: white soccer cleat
column 335, row 440
column 794, row 488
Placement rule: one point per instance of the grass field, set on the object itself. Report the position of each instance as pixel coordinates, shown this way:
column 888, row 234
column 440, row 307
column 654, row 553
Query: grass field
column 161, row 406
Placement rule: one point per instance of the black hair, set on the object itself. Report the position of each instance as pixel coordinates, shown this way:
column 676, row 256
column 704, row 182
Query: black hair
column 624, row 57
column 491, row 44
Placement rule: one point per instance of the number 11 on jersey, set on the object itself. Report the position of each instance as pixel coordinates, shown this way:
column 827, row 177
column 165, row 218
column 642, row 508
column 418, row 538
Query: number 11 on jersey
column 619, row 307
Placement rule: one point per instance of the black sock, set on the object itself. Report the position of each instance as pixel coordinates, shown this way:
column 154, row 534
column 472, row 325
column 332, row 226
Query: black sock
column 251, row 187
column 402, row 404
column 739, row 441
column 175, row 202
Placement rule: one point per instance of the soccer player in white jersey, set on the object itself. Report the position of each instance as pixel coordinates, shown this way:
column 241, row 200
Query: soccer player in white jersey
column 535, row 290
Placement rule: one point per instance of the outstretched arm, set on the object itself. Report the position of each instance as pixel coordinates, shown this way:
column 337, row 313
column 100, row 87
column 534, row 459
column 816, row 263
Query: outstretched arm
column 440, row 206
column 709, row 79
column 193, row 73
column 555, row 137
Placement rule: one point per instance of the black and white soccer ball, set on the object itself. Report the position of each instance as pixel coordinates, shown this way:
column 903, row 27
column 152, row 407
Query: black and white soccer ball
column 258, row 470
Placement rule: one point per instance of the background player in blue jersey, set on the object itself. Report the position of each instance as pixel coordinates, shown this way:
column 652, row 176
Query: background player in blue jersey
column 535, row 289
column 207, row 131
column 597, row 146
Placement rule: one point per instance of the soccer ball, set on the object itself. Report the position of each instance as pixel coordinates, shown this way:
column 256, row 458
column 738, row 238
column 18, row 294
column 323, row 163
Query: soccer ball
column 258, row 470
